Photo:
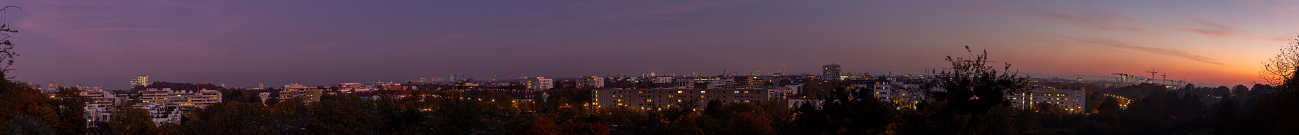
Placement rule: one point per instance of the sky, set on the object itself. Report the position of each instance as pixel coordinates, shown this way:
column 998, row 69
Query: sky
column 325, row 42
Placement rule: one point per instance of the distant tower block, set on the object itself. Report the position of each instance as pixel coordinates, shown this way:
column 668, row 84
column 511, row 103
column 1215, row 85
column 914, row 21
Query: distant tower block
column 143, row 80
column 830, row 72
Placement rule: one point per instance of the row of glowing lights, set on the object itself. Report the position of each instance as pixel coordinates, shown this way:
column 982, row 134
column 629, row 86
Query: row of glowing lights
column 1125, row 100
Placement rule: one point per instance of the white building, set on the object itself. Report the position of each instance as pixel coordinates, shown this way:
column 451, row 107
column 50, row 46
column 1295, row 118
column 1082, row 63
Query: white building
column 784, row 92
column 795, row 88
column 265, row 96
column 539, row 83
column 94, row 114
column 662, row 79
column 99, row 98
column 161, row 113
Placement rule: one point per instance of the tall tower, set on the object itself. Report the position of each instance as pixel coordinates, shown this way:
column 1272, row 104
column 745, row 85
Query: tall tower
column 830, row 72
column 143, row 80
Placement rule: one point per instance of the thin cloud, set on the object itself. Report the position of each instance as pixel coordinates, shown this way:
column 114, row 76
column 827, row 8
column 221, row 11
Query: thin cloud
column 1214, row 30
column 1160, row 51
column 1217, row 30
column 86, row 27
column 1089, row 18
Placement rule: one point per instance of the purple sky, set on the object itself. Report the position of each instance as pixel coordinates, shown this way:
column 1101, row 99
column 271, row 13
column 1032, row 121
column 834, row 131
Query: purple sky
column 321, row 42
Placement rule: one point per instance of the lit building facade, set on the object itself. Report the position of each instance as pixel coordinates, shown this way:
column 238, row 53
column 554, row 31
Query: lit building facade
column 1067, row 99
column 664, row 98
column 830, row 72
column 143, row 80
column 538, row 83
column 181, row 98
column 593, row 81
column 305, row 93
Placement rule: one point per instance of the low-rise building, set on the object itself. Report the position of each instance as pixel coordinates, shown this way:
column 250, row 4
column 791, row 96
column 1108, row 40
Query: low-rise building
column 304, row 93
column 161, row 113
column 181, row 98
column 593, row 82
column 101, row 98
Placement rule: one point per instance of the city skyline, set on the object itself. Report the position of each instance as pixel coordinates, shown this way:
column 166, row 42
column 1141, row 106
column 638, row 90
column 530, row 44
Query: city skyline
column 322, row 42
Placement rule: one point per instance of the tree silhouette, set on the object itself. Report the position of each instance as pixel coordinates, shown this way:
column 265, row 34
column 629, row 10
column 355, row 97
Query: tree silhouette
column 131, row 121
column 1225, row 121
column 971, row 86
column 7, row 53
column 1280, row 68
column 23, row 125
column 70, row 106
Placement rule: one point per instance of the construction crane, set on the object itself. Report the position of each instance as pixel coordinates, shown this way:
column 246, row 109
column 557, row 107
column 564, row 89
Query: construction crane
column 1165, row 75
column 1152, row 75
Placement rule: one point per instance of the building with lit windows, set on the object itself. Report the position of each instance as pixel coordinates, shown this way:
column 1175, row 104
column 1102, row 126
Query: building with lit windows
column 886, row 90
column 180, row 98
column 830, row 72
column 1067, row 99
column 351, row 87
column 100, row 98
column 538, row 83
column 664, row 98
column 143, row 80
column 593, row 81
column 305, row 93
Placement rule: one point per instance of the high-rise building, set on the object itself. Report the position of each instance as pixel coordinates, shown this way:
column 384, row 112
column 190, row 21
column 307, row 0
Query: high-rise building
column 143, row 80
column 830, row 72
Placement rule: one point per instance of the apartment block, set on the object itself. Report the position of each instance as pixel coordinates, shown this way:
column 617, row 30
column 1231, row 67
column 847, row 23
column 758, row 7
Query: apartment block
column 663, row 98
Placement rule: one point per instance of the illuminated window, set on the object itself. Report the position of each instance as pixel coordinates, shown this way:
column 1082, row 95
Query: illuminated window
column 746, row 92
column 649, row 100
column 703, row 91
column 737, row 91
